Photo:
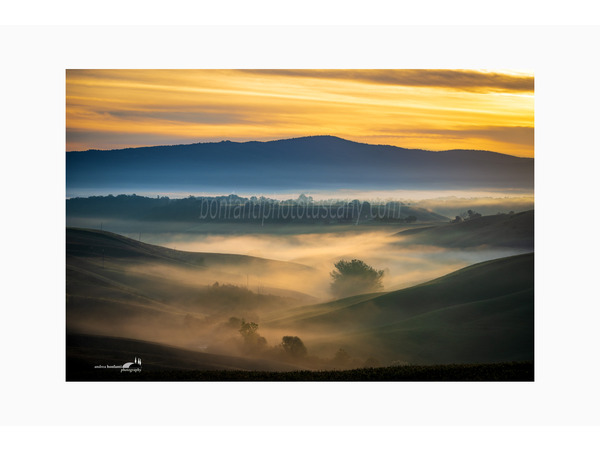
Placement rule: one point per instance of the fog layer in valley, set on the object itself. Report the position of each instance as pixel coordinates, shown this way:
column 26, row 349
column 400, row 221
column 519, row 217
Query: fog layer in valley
column 404, row 265
column 202, row 302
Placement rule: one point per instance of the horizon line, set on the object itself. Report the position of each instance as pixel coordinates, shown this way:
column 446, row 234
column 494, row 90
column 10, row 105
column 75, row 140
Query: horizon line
column 290, row 139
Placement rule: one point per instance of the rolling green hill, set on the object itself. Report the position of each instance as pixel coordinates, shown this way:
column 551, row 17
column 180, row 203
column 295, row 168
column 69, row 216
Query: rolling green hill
column 482, row 313
column 123, row 287
column 501, row 230
column 95, row 243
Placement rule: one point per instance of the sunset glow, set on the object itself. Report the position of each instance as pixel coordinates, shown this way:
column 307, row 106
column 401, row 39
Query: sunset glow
column 427, row 109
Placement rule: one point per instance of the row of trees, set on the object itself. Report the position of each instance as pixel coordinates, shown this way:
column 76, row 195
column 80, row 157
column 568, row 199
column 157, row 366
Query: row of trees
column 468, row 215
column 292, row 348
column 235, row 208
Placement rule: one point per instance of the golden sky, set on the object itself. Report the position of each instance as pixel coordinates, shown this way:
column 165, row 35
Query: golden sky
column 427, row 109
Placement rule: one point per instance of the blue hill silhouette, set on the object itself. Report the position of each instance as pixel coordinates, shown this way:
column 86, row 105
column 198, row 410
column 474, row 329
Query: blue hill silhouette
column 318, row 163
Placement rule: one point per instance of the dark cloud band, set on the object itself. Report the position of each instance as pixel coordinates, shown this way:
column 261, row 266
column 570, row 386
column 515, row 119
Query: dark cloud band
column 467, row 80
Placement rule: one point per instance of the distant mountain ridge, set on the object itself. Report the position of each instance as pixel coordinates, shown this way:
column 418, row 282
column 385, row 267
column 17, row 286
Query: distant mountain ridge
column 318, row 162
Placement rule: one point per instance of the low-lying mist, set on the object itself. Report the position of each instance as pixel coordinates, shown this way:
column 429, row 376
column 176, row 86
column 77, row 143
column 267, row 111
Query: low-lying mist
column 204, row 307
column 404, row 265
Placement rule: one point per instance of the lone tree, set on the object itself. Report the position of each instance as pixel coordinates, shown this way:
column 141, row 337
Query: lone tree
column 355, row 277
column 253, row 341
column 293, row 346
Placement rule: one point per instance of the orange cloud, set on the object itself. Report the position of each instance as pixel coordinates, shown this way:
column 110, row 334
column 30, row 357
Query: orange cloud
column 430, row 109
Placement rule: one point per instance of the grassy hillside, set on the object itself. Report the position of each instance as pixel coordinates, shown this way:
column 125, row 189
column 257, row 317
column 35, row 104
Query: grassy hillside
column 95, row 243
column 502, row 230
column 483, row 313
column 305, row 313
column 120, row 286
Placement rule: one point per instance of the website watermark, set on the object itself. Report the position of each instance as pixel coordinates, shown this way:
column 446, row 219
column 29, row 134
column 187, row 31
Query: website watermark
column 275, row 211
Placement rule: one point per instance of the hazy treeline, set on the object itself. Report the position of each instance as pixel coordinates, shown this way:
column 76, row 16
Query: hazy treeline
column 252, row 210
column 287, row 348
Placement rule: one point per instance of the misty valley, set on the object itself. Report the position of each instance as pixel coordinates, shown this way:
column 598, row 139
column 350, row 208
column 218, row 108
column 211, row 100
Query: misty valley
column 297, row 259
column 343, row 286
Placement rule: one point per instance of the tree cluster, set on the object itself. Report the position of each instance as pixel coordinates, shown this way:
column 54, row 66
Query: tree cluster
column 468, row 215
column 291, row 347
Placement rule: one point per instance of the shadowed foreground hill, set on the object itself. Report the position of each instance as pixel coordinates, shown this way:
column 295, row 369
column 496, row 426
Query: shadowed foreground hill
column 119, row 286
column 165, row 363
column 482, row 313
column 501, row 230
column 84, row 352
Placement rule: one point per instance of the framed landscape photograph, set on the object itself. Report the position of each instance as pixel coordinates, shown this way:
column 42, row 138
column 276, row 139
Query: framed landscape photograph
column 299, row 225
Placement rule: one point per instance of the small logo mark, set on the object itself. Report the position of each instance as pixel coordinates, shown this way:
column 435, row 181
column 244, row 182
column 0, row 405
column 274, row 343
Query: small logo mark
column 135, row 366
